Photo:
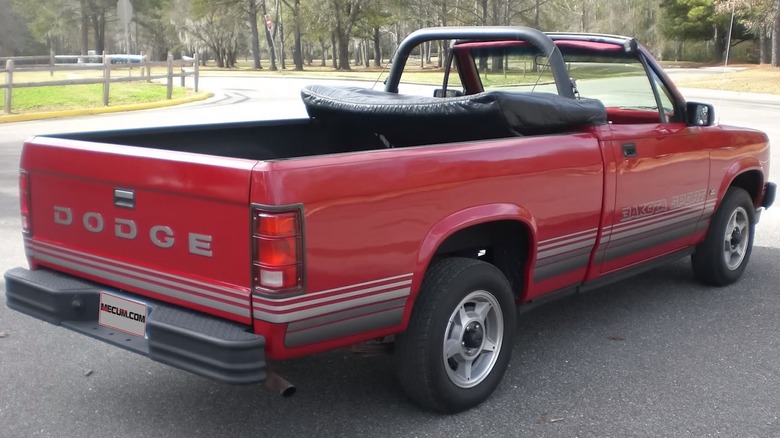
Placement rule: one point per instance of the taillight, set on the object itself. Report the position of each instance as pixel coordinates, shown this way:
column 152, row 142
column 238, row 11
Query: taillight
column 277, row 251
column 24, row 201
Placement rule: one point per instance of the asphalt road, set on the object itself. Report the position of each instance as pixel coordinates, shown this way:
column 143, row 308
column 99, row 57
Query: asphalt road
column 657, row 355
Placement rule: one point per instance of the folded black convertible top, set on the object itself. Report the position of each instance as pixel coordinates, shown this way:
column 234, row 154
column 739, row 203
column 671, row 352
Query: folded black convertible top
column 406, row 120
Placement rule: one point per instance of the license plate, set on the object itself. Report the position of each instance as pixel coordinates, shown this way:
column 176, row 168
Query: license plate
column 122, row 314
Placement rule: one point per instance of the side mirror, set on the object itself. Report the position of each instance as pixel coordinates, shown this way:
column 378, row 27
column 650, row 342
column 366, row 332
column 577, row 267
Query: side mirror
column 699, row 114
column 450, row 93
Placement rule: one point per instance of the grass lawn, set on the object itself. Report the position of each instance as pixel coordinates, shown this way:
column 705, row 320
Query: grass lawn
column 755, row 79
column 62, row 97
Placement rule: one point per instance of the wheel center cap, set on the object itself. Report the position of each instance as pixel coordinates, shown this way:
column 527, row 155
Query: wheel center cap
column 473, row 335
column 736, row 238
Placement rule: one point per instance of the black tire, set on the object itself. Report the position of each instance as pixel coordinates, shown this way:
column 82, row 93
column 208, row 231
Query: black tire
column 468, row 305
column 722, row 257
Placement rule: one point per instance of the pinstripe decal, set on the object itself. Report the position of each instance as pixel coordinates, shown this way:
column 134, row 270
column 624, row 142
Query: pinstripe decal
column 144, row 281
column 563, row 254
column 217, row 290
column 354, row 300
column 567, row 253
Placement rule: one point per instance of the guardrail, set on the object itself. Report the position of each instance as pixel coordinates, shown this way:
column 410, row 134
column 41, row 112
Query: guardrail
column 109, row 63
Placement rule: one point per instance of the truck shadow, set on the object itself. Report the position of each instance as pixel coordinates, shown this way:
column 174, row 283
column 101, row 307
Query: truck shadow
column 618, row 338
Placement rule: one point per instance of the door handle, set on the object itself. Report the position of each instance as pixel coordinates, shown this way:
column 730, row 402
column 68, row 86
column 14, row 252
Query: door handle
column 629, row 150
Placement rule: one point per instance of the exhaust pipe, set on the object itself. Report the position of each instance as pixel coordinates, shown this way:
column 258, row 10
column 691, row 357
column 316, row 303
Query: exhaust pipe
column 279, row 385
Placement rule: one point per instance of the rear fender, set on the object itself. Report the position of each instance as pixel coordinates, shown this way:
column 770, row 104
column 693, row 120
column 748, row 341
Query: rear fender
column 460, row 220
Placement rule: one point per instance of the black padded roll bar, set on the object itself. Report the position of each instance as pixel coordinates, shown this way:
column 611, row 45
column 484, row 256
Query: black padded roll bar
column 482, row 33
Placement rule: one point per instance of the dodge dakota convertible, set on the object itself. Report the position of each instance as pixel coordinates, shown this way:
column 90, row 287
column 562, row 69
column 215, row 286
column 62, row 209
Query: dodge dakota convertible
column 544, row 164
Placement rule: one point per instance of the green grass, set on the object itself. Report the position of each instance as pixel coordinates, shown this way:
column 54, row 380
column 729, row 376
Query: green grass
column 62, row 97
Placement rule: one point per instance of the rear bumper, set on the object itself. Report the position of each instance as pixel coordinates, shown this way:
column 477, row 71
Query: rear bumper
column 201, row 344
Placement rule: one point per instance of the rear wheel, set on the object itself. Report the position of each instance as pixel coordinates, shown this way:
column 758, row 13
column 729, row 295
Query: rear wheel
column 460, row 336
column 722, row 257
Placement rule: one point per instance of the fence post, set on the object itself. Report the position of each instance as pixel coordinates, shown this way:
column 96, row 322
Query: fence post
column 170, row 76
column 9, row 79
column 106, row 77
column 51, row 62
column 148, row 69
column 196, row 64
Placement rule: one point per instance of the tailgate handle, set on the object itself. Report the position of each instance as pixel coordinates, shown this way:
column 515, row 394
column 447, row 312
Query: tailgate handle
column 124, row 198
column 629, row 150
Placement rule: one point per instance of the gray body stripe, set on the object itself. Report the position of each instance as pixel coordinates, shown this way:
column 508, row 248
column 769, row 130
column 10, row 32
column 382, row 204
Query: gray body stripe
column 568, row 248
column 258, row 300
column 363, row 324
column 243, row 312
column 641, row 230
column 330, row 308
column 84, row 261
column 568, row 237
column 555, row 269
column 85, row 255
column 563, row 257
column 657, row 238
column 347, row 314
column 661, row 217
column 306, row 303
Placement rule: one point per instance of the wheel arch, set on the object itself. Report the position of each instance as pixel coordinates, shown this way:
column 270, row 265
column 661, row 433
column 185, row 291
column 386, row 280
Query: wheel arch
column 746, row 174
column 472, row 229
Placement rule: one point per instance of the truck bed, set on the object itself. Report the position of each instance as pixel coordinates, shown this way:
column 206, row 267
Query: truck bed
column 266, row 140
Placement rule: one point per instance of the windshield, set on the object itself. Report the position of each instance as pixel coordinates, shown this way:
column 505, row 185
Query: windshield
column 617, row 80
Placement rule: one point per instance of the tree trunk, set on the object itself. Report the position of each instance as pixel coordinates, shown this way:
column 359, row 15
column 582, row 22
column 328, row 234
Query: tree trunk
column 536, row 13
column 269, row 39
column 323, row 52
column 763, row 57
column 334, row 44
column 377, row 49
column 344, row 52
column 776, row 36
column 718, row 44
column 99, row 27
column 255, row 35
column 84, row 28
column 297, row 49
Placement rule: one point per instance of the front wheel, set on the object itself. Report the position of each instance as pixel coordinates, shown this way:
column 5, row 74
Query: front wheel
column 460, row 336
column 722, row 257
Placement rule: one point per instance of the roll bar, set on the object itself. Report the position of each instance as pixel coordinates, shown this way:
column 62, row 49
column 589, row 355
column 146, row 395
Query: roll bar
column 482, row 33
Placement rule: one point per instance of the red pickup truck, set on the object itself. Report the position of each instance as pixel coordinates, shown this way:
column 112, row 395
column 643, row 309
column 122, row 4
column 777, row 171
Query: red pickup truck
column 545, row 164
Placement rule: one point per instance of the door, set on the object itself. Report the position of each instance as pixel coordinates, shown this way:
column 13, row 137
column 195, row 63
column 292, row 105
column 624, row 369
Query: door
column 661, row 172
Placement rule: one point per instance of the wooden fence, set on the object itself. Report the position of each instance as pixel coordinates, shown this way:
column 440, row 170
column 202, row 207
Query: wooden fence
column 110, row 63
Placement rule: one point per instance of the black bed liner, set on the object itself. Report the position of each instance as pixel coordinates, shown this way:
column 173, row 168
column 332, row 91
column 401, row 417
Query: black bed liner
column 404, row 120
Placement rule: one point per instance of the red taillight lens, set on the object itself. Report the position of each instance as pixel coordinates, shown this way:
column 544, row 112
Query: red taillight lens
column 24, row 201
column 277, row 251
column 277, row 225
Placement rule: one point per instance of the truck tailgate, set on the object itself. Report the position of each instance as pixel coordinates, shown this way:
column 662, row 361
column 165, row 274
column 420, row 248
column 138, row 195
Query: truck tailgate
column 172, row 226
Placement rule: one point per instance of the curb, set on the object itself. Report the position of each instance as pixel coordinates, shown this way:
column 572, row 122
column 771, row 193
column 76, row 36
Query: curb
column 102, row 110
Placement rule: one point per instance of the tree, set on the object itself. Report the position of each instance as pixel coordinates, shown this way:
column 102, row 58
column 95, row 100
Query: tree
column 15, row 37
column 255, row 33
column 218, row 25
column 295, row 9
column 345, row 14
column 49, row 21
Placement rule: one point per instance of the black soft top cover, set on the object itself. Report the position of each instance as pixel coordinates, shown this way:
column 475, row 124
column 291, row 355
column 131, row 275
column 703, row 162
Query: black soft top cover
column 404, row 120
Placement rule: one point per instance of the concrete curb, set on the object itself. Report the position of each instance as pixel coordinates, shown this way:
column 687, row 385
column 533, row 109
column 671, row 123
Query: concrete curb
column 102, row 110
